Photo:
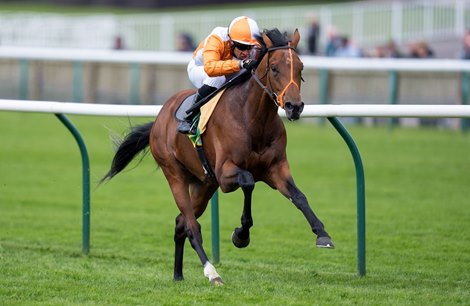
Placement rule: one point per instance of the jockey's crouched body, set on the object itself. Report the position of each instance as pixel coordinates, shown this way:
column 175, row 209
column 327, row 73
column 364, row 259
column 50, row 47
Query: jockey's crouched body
column 218, row 58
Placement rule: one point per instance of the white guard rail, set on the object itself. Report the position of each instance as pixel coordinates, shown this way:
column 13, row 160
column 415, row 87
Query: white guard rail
column 182, row 58
column 350, row 110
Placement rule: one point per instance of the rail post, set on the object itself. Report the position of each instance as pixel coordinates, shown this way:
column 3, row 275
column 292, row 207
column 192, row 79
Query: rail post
column 324, row 92
column 78, row 81
column 215, row 228
column 393, row 94
column 134, row 83
column 361, row 197
column 24, row 79
column 86, row 182
column 464, row 98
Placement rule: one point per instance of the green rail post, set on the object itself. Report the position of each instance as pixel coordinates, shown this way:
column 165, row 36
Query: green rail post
column 215, row 228
column 464, row 99
column 134, row 80
column 24, row 79
column 78, row 82
column 361, row 198
column 393, row 94
column 324, row 78
column 86, row 182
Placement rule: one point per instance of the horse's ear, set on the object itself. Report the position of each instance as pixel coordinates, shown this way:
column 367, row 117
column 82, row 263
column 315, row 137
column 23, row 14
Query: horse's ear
column 267, row 41
column 296, row 38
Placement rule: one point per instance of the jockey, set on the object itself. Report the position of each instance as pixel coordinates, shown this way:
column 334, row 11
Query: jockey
column 218, row 58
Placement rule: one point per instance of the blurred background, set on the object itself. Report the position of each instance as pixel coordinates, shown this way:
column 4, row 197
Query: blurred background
column 157, row 24
column 425, row 30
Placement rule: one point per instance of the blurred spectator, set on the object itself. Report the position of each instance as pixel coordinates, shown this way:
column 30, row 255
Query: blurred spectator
column 185, row 43
column 347, row 49
column 333, row 41
column 391, row 50
column 313, row 36
column 118, row 43
column 388, row 50
column 420, row 49
column 466, row 45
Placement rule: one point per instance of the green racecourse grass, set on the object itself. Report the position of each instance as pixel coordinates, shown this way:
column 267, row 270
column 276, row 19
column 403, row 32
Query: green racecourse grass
column 418, row 223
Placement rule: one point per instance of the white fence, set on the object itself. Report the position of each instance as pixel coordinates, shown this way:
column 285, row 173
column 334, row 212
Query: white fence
column 358, row 81
column 181, row 59
column 351, row 110
column 368, row 23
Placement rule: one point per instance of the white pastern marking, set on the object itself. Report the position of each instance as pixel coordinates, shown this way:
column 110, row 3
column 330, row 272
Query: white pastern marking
column 209, row 271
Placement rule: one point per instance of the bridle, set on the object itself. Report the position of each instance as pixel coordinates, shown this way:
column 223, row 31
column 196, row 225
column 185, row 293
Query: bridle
column 274, row 96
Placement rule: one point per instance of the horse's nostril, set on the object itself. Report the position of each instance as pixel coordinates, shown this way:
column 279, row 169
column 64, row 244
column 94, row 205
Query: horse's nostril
column 289, row 106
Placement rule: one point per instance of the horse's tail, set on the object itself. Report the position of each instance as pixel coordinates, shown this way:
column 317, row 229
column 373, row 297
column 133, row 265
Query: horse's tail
column 134, row 142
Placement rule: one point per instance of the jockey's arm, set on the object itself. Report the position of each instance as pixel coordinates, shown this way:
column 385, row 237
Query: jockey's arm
column 217, row 58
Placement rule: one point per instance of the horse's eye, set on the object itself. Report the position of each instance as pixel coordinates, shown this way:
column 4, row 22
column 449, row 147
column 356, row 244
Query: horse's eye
column 274, row 69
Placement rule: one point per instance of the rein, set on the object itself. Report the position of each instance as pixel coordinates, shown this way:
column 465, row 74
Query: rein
column 270, row 92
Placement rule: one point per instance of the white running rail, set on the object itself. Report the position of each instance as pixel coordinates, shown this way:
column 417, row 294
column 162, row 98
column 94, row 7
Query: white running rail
column 350, row 110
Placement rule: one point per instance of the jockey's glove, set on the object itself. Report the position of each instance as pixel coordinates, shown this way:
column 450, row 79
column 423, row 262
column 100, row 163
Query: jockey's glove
column 248, row 64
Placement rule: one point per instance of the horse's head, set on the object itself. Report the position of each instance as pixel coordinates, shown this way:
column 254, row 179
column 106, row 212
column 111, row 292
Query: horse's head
column 282, row 69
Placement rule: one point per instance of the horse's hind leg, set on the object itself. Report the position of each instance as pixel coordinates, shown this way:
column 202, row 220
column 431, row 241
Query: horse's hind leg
column 241, row 236
column 180, row 238
column 200, row 196
column 187, row 226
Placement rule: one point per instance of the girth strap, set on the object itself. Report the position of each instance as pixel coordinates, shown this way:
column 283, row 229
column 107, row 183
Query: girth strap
column 204, row 161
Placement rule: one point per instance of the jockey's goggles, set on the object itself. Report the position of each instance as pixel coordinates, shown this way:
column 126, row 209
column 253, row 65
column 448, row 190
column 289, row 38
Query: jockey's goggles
column 242, row 47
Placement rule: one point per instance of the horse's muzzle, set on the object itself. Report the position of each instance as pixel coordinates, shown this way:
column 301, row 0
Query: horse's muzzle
column 293, row 110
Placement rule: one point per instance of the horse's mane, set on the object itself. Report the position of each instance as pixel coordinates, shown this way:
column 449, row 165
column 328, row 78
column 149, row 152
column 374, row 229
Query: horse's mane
column 277, row 38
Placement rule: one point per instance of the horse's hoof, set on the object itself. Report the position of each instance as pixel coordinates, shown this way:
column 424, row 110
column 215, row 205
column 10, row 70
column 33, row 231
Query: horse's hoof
column 325, row 242
column 217, row 281
column 239, row 243
column 177, row 278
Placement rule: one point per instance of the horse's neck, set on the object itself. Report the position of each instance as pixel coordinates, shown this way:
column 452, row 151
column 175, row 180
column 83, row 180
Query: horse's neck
column 264, row 106
column 260, row 111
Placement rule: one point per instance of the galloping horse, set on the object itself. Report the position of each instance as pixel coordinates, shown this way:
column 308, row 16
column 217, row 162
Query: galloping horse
column 245, row 142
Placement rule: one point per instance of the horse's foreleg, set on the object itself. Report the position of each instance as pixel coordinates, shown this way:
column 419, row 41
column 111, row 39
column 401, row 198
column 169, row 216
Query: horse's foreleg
column 281, row 179
column 241, row 236
column 300, row 201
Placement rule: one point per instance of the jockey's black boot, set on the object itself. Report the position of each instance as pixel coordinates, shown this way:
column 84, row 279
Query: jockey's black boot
column 187, row 126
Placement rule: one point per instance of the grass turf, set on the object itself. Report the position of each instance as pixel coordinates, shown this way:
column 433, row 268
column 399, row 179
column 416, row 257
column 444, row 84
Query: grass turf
column 418, row 223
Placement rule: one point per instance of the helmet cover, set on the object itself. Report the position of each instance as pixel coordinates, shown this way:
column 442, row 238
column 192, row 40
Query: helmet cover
column 243, row 30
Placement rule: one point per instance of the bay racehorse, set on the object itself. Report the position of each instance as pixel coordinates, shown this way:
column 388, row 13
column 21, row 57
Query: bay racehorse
column 245, row 142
